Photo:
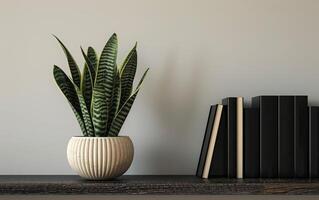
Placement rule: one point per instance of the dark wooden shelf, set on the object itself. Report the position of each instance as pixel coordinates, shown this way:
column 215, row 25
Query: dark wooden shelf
column 156, row 185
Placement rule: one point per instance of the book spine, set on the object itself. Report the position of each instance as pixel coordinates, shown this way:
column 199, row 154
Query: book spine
column 208, row 131
column 212, row 141
column 251, row 143
column 240, row 137
column 268, row 109
column 314, row 141
column 231, row 103
column 301, row 137
column 286, row 136
column 219, row 161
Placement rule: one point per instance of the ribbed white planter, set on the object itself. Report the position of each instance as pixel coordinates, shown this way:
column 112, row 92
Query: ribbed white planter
column 100, row 158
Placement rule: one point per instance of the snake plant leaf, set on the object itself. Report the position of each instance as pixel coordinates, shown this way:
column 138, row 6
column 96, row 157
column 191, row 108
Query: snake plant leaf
column 67, row 88
column 128, row 71
column 120, row 117
column 115, row 100
column 80, row 121
column 90, row 66
column 74, row 69
column 86, row 86
column 102, row 91
column 92, row 57
column 85, row 113
column 88, row 79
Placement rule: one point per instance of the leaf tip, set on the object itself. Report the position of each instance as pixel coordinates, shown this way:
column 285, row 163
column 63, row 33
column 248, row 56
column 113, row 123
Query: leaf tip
column 56, row 37
column 90, row 49
column 146, row 70
column 82, row 50
column 60, row 42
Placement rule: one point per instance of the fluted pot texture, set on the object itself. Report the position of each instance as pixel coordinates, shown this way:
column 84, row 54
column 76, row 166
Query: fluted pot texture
column 100, row 158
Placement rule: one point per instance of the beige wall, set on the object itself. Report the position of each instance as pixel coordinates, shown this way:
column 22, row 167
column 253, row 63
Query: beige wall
column 199, row 51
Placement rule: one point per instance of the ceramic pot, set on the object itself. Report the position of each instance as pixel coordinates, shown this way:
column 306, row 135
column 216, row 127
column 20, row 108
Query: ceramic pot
column 100, row 158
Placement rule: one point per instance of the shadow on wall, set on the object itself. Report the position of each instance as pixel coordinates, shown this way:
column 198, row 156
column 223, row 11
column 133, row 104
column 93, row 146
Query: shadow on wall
column 176, row 105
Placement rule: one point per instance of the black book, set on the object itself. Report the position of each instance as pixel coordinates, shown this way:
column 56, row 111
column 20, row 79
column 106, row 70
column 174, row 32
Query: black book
column 314, row 141
column 218, row 167
column 251, row 143
column 206, row 140
column 301, row 137
column 286, row 136
column 231, row 107
column 268, row 131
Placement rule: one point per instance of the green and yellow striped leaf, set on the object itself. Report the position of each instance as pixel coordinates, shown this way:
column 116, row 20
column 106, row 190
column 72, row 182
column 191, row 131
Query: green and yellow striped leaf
column 120, row 117
column 85, row 113
column 67, row 88
column 103, row 86
column 128, row 71
column 74, row 69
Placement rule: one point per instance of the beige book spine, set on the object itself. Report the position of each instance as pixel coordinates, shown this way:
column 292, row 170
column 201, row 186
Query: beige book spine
column 240, row 136
column 212, row 141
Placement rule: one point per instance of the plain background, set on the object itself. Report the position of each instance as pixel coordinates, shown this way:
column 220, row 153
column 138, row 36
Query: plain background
column 199, row 51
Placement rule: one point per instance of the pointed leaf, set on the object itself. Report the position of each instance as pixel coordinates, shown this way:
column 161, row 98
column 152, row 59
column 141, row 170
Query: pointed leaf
column 103, row 85
column 128, row 71
column 142, row 79
column 67, row 88
column 74, row 69
column 124, row 110
column 85, row 113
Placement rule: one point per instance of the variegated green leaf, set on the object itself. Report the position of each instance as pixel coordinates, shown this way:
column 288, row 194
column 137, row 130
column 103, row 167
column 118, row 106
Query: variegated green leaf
column 92, row 57
column 115, row 100
column 88, row 78
column 80, row 121
column 74, row 69
column 99, row 112
column 86, row 86
column 85, row 113
column 120, row 117
column 67, row 88
column 102, row 91
column 142, row 79
column 128, row 71
column 90, row 66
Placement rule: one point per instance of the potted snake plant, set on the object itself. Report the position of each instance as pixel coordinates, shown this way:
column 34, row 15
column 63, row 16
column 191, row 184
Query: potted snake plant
column 101, row 98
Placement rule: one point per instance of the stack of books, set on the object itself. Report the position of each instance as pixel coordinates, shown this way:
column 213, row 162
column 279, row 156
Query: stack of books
column 275, row 137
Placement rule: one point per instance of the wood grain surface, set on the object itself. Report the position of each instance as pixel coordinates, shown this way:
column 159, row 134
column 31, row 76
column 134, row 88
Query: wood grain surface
column 155, row 185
